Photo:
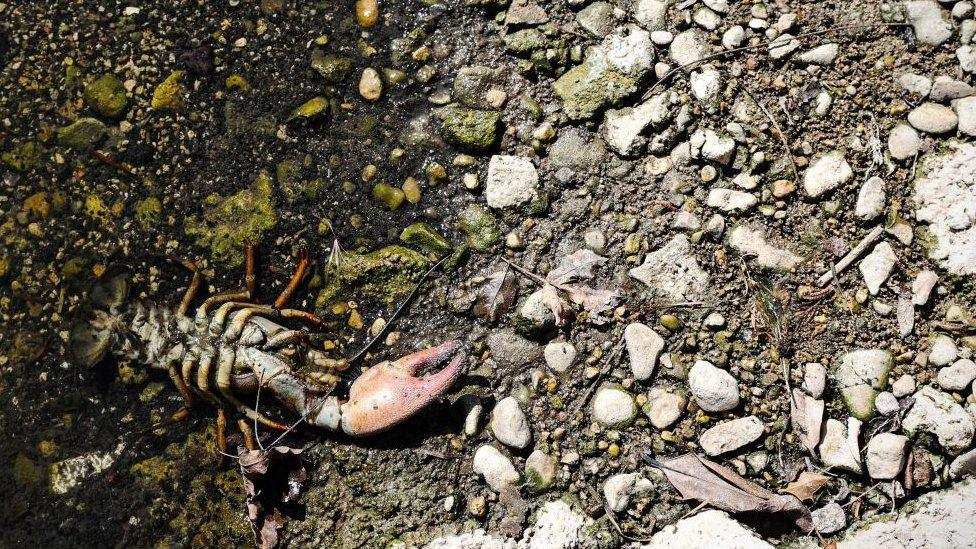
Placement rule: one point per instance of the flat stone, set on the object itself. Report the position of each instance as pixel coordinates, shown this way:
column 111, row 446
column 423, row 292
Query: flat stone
column 870, row 199
column 705, row 18
column 933, row 118
column 958, row 376
column 915, row 84
column 731, row 435
column 613, row 407
column 644, row 345
column 706, row 530
column 877, row 266
column 495, row 467
column 706, row 85
column 673, row 271
column 821, row 55
column 886, row 404
column 829, row 519
column 734, row 37
column 510, row 349
column 860, row 375
column 512, row 181
column 937, row 413
column 903, row 386
column 689, row 46
column 922, row 286
column 619, row 488
column 541, row 470
column 839, row 448
column 945, row 189
column 751, row 243
column 559, row 355
column 814, row 379
column 942, row 350
column 651, row 14
column 886, row 455
column 623, row 127
column 967, row 58
column 664, row 407
column 903, row 142
column 597, row 19
column 731, row 200
column 826, row 173
column 717, row 148
column 714, row 389
column 966, row 113
column 509, row 424
column 945, row 89
column 928, row 21
column 783, row 45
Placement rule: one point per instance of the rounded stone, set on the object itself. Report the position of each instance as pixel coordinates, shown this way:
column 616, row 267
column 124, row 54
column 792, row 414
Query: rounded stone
column 714, row 389
column 613, row 407
column 495, row 467
column 509, row 424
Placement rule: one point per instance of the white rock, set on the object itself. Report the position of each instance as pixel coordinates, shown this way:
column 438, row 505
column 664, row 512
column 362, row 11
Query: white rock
column 686, row 221
column 733, row 37
column 928, row 22
column 706, row 530
column 512, row 181
column 877, row 266
column 966, row 113
column 945, row 88
column 821, row 55
column 664, row 407
column 731, row 435
column 706, row 85
column 714, row 389
column 886, row 404
column 839, row 448
column 922, row 286
column 746, row 180
column 859, row 375
column 559, row 355
column 967, row 58
column 613, row 407
column 706, row 18
column 829, row 519
column 623, row 127
column 689, row 47
column 673, row 271
column 661, row 37
column 619, row 488
column 717, row 148
column 944, row 194
column 826, row 173
column 886, row 455
column 903, row 141
column 937, row 413
column 933, row 118
column 509, row 424
column 870, row 199
column 541, row 470
column 915, row 84
column 731, row 200
column 643, row 347
column 719, row 6
column 943, row 350
column 495, row 467
column 714, row 320
column 752, row 243
column 68, row 474
column 814, row 379
column 964, row 465
column 651, row 14
column 783, row 45
column 903, row 386
column 958, row 376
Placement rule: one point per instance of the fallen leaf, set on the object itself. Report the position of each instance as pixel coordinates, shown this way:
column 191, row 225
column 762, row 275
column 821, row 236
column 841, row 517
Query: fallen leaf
column 567, row 277
column 272, row 479
column 580, row 265
column 560, row 309
column 700, row 479
column 806, row 415
column 594, row 301
column 495, row 297
column 805, row 487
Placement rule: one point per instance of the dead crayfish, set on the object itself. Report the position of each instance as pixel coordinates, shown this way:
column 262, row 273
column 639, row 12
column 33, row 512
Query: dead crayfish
column 232, row 347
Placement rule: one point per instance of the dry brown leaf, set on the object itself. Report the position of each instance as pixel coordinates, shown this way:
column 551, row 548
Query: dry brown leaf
column 700, row 479
column 805, row 487
column 568, row 275
column 495, row 297
column 806, row 415
column 560, row 309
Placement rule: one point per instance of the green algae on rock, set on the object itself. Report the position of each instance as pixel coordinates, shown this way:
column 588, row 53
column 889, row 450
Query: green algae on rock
column 480, row 228
column 426, row 238
column 470, row 129
column 333, row 69
column 148, row 212
column 82, row 134
column 106, row 96
column 391, row 197
column 228, row 221
column 168, row 95
column 25, row 157
column 386, row 275
column 312, row 108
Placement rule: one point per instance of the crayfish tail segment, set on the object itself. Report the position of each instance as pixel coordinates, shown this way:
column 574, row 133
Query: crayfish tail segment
column 388, row 393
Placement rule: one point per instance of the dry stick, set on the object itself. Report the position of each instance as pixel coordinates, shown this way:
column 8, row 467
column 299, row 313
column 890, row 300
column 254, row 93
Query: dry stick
column 723, row 53
column 846, row 261
column 779, row 131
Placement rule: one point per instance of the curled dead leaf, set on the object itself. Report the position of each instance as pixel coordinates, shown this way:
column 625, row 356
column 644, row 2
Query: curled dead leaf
column 806, row 486
column 495, row 297
column 806, row 416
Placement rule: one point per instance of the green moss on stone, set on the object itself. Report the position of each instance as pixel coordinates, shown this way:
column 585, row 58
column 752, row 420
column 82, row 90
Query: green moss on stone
column 168, row 95
column 333, row 69
column 386, row 275
column 470, row 129
column 148, row 212
column 26, row 472
column 25, row 157
column 106, row 96
column 480, row 228
column 229, row 221
column 83, row 134
column 425, row 237
column 390, row 197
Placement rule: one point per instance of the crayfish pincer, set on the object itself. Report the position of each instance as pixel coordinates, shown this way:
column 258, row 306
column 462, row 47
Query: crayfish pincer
column 231, row 349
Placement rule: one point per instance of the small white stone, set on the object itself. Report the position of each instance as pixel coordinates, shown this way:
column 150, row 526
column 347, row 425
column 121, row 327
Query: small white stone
column 885, row 403
column 783, row 45
column 706, row 85
column 870, row 199
column 933, row 118
column 664, row 407
column 903, row 386
column 731, row 200
column 943, row 350
column 957, row 376
column 829, row 519
column 922, row 286
column 495, row 467
column 746, row 180
column 512, row 181
column 661, row 37
column 560, row 355
column 643, row 347
column 967, row 58
column 370, row 84
column 619, row 488
column 814, row 379
column 946, row 89
column 839, row 448
column 509, row 424
column 915, row 84
column 877, row 266
column 706, row 18
column 714, row 320
column 714, row 389
column 821, row 55
column 733, row 37
column 689, row 47
column 752, row 243
column 717, row 148
column 966, row 112
column 541, row 469
column 826, row 173
column 903, row 142
column 731, row 435
column 613, row 407
column 686, row 221
column 886, row 455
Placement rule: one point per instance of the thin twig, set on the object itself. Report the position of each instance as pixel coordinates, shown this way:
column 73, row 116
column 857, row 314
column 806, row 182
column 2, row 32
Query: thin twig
column 846, row 261
column 779, row 131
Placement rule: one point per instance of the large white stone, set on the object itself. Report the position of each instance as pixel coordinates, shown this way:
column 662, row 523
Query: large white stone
column 942, row 350
column 930, row 23
column 613, row 407
column 937, row 413
column 673, row 271
column 860, row 374
column 664, row 407
column 512, row 181
column 945, row 192
column 731, row 200
column 495, row 467
column 644, row 345
column 903, row 141
column 751, row 243
column 877, row 266
column 933, row 118
column 870, row 199
column 886, row 455
column 731, row 435
column 619, row 488
column 840, row 448
column 714, row 389
column 958, row 375
column 707, row 530
column 509, row 424
column 826, row 173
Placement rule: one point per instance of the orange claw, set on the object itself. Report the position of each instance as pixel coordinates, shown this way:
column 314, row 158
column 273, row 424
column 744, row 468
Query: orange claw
column 388, row 393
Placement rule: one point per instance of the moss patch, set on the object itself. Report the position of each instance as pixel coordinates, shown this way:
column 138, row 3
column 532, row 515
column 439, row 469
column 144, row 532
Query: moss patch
column 229, row 221
column 148, row 212
column 25, row 157
column 83, row 134
column 168, row 95
column 386, row 275
column 106, row 96
column 426, row 238
column 480, row 228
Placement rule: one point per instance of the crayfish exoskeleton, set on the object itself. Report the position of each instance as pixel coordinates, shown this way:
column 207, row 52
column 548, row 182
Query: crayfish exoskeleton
column 232, row 348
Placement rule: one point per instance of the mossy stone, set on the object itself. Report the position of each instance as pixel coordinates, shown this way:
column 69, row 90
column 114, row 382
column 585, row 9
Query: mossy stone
column 237, row 82
column 470, row 129
column 426, row 238
column 148, row 212
column 168, row 95
column 525, row 41
column 480, row 228
column 228, row 221
column 25, row 157
column 106, row 96
column 83, row 134
column 386, row 275
column 334, row 69
column 312, row 108
column 391, row 197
